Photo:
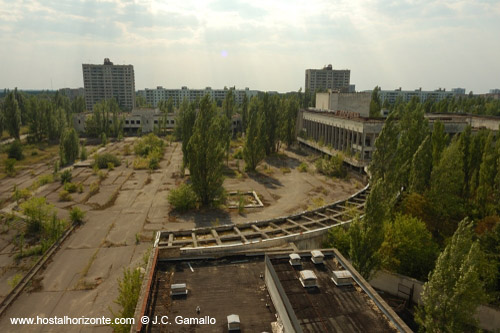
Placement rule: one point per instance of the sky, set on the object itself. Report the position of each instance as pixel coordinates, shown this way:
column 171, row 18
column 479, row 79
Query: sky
column 261, row 44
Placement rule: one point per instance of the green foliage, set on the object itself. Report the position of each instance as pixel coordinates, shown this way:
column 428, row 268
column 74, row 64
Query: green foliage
column 332, row 167
column 66, row 176
column 14, row 281
column 253, row 150
column 94, row 188
column 12, row 115
column 104, row 120
column 65, row 196
column 184, row 127
column 439, row 141
column 455, row 289
column 302, row 167
column 76, row 215
column 38, row 213
column 408, row 247
column 68, row 146
column 10, row 167
column 485, row 199
column 289, row 111
column 446, row 191
column 366, row 239
column 45, row 179
column 421, row 167
column 129, row 288
column 206, row 153
column 182, row 198
column 375, row 103
column 83, row 153
column 70, row 187
column 148, row 144
column 23, row 194
column 15, row 150
column 102, row 160
column 238, row 154
column 339, row 238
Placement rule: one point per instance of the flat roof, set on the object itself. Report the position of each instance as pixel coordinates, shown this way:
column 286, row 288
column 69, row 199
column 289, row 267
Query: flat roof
column 220, row 287
column 329, row 308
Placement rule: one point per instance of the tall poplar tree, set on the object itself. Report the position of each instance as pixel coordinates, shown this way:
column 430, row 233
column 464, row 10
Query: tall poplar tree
column 253, row 150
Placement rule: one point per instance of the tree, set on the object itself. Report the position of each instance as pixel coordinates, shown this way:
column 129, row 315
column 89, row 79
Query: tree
column 445, row 191
column 12, row 116
column 375, row 103
column 184, row 127
column 439, row 141
column 487, row 173
column 206, row 153
column 253, row 150
column 69, row 146
column 244, row 112
column 290, row 108
column 421, row 167
column 129, row 288
column 385, row 150
column 408, row 247
column 455, row 288
column 269, row 113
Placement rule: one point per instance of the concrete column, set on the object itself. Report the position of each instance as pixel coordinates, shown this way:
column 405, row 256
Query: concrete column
column 363, row 137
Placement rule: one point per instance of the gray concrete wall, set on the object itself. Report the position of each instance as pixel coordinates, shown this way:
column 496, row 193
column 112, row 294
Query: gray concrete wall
column 356, row 102
column 323, row 101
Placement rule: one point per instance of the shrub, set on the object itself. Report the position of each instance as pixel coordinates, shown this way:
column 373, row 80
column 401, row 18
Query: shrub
column 303, row 167
column 83, row 153
column 64, row 196
column 332, row 166
column 10, row 167
column 126, row 150
column 238, row 154
column 80, row 188
column 37, row 212
column 94, row 188
column 70, row 187
column 182, row 198
column 14, row 281
column 102, row 161
column 285, row 170
column 68, row 146
column 66, row 176
column 102, row 175
column 76, row 215
column 148, row 144
column 154, row 163
column 15, row 150
column 111, row 166
column 140, row 163
column 104, row 139
column 21, row 194
column 45, row 179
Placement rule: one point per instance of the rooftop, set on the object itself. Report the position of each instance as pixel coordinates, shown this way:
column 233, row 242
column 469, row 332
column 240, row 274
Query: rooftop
column 328, row 308
column 254, row 286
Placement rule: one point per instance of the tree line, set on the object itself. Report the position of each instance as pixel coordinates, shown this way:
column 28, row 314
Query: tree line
column 433, row 214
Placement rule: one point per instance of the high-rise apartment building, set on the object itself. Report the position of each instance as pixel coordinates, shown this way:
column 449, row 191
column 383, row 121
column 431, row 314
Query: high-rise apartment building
column 109, row 81
column 328, row 78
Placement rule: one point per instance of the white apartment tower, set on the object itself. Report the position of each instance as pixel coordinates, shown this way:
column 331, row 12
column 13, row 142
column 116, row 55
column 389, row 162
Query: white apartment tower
column 109, row 81
column 328, row 78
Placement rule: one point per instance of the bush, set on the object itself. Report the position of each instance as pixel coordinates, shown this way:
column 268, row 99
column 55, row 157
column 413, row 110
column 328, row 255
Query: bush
column 45, row 179
column 15, row 150
column 83, row 153
column 182, row 198
column 21, row 194
column 64, row 196
column 66, row 176
column 332, row 166
column 148, row 144
column 102, row 161
column 70, row 187
column 238, row 154
column 104, row 139
column 68, row 146
column 94, row 188
column 10, row 167
column 303, row 167
column 76, row 215
column 126, row 150
column 38, row 213
column 140, row 163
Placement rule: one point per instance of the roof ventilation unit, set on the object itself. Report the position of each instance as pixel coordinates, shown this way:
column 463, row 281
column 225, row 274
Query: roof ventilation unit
column 294, row 259
column 317, row 257
column 308, row 279
column 233, row 322
column 178, row 289
column 342, row 278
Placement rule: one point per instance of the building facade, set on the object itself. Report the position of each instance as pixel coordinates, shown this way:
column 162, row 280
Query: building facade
column 108, row 81
column 154, row 96
column 328, row 78
column 406, row 95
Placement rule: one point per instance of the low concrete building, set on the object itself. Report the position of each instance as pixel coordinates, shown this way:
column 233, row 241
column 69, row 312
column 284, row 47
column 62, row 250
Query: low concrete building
column 266, row 293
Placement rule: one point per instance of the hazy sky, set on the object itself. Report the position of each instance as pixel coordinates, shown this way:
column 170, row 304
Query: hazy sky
column 265, row 45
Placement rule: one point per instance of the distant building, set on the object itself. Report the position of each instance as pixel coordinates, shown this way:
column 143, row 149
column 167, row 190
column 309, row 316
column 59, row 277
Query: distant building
column 154, row 96
column 494, row 91
column 406, row 95
column 73, row 93
column 328, row 78
column 358, row 103
column 109, row 81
